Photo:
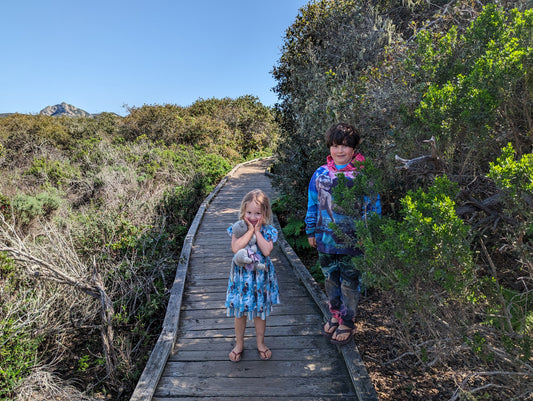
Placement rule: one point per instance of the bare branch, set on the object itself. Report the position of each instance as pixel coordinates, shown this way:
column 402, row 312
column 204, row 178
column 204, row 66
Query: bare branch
column 424, row 164
column 460, row 390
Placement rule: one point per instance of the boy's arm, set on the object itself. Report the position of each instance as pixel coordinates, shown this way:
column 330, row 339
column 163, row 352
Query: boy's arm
column 312, row 209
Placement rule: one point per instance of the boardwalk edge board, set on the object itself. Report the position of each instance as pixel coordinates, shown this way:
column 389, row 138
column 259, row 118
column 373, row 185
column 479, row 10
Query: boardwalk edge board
column 153, row 370
column 360, row 379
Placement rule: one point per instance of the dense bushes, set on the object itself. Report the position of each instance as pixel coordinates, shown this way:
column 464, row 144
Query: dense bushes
column 243, row 124
column 441, row 88
column 93, row 215
column 325, row 51
column 478, row 95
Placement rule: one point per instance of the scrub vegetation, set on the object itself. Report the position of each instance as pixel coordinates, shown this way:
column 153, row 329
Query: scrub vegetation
column 93, row 213
column 442, row 92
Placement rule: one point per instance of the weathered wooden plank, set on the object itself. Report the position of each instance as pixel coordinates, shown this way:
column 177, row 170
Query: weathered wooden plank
column 297, row 342
column 245, row 387
column 213, row 308
column 246, row 368
column 200, row 323
column 217, row 332
column 262, row 398
column 250, row 354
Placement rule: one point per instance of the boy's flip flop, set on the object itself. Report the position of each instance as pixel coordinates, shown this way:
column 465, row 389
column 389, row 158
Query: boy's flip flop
column 331, row 325
column 346, row 340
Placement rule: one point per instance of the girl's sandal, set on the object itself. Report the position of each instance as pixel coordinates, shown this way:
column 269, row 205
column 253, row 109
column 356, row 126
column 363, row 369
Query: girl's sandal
column 331, row 326
column 264, row 355
column 235, row 356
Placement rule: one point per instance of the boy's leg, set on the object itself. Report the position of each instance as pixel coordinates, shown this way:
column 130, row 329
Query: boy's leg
column 240, row 327
column 330, row 269
column 350, row 293
column 260, row 328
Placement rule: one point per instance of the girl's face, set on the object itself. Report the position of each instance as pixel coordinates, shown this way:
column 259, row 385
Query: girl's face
column 341, row 154
column 253, row 212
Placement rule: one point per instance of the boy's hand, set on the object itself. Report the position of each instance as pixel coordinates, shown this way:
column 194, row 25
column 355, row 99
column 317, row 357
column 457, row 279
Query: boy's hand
column 312, row 241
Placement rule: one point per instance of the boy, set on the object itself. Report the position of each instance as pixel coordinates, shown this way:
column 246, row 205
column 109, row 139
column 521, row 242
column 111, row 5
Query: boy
column 337, row 260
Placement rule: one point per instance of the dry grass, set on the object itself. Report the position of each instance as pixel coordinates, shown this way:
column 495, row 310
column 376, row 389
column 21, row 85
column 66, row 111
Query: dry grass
column 42, row 385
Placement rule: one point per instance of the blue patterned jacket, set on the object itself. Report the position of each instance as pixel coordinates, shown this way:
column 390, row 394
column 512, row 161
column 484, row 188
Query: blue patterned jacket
column 321, row 210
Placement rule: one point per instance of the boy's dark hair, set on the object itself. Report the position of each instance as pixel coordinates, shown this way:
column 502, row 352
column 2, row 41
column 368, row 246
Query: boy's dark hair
column 342, row 134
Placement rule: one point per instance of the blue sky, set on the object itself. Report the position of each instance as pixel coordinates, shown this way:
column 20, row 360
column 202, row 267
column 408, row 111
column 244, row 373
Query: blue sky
column 105, row 55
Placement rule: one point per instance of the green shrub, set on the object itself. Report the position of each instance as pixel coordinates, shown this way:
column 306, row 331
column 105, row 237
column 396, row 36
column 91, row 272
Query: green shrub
column 425, row 253
column 182, row 202
column 28, row 207
column 87, row 155
column 5, row 204
column 18, row 342
column 477, row 83
column 514, row 176
column 17, row 355
column 355, row 197
column 53, row 172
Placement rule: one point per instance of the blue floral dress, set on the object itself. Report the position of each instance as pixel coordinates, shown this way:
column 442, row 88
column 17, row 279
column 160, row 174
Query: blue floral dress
column 252, row 293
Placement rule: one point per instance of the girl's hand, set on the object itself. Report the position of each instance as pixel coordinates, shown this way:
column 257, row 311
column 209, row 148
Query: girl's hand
column 254, row 227
column 258, row 225
column 249, row 224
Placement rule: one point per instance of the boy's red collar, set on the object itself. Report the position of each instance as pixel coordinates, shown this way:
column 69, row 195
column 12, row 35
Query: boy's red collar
column 358, row 157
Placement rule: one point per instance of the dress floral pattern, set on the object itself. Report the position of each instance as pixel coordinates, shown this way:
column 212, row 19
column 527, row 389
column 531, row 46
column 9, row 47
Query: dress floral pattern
column 252, row 293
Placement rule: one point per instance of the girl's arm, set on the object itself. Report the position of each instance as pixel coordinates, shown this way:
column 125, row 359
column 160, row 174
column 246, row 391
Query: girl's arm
column 264, row 245
column 239, row 243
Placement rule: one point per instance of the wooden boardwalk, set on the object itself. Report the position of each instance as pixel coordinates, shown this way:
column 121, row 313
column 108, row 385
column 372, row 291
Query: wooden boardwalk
column 190, row 360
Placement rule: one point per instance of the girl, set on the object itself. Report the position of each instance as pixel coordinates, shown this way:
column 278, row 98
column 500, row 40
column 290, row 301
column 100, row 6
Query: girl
column 251, row 294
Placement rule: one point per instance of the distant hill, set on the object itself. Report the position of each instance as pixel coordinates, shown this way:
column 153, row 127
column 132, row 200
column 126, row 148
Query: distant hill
column 64, row 109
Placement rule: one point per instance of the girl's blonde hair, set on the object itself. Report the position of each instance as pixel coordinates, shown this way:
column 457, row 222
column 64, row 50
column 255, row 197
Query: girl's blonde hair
column 262, row 200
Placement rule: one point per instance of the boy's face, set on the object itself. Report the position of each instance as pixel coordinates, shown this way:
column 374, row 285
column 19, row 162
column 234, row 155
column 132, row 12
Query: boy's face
column 341, row 154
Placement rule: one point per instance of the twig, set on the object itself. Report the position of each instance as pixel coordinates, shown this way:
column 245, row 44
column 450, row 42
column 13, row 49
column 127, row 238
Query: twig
column 459, row 390
column 498, row 289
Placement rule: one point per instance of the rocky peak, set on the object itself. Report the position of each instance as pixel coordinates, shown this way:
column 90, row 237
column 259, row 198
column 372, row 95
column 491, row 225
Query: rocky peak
column 64, row 109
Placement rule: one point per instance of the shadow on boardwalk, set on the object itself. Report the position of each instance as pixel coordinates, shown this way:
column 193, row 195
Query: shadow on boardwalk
column 190, row 360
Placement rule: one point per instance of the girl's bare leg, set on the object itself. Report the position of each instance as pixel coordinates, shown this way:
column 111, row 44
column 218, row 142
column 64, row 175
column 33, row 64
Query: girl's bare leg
column 240, row 327
column 260, row 327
